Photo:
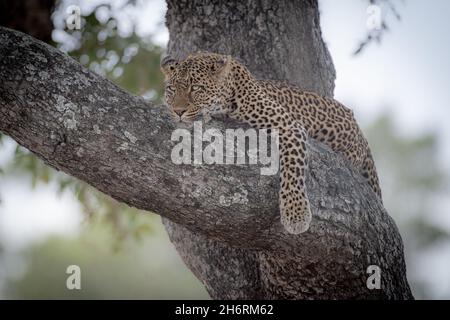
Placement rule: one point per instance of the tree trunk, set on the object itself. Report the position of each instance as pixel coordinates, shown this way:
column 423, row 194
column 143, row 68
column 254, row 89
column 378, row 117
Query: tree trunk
column 279, row 40
column 84, row 125
column 29, row 16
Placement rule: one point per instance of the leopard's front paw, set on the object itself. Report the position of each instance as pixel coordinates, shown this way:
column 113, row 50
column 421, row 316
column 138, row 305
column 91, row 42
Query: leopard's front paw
column 296, row 222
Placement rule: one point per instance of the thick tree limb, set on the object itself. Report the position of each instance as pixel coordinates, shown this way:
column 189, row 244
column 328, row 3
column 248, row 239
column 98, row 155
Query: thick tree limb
column 84, row 125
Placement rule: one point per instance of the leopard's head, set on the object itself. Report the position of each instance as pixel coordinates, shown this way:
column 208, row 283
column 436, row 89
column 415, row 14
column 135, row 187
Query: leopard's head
column 195, row 86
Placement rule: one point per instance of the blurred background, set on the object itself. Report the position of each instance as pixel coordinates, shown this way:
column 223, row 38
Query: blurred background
column 397, row 84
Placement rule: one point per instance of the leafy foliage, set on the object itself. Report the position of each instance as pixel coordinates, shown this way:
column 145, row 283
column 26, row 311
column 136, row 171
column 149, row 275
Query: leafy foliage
column 132, row 63
column 128, row 60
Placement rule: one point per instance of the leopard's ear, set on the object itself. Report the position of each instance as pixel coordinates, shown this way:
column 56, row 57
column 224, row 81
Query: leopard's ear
column 220, row 65
column 168, row 65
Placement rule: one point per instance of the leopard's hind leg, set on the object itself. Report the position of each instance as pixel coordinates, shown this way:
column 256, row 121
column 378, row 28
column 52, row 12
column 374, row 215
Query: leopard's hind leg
column 369, row 172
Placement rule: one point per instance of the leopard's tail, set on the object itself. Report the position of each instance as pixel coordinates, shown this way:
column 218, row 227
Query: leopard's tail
column 370, row 173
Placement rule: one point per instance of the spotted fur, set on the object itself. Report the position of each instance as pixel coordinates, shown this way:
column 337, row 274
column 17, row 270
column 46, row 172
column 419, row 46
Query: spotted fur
column 206, row 84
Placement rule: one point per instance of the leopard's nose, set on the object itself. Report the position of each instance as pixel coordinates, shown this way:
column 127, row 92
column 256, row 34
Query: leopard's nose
column 179, row 112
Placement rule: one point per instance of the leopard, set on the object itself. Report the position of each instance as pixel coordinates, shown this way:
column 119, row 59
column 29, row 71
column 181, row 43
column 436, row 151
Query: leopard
column 207, row 84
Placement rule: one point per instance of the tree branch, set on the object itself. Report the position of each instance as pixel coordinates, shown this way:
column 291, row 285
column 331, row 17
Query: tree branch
column 84, row 125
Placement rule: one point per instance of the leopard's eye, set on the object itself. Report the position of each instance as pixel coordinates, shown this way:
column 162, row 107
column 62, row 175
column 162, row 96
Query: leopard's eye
column 196, row 87
column 170, row 88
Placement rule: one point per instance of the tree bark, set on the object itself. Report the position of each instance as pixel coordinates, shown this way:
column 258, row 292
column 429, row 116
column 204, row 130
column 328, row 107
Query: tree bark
column 84, row 125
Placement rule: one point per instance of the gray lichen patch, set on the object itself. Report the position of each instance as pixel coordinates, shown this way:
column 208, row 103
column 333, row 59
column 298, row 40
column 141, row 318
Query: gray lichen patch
column 68, row 110
column 235, row 198
column 130, row 137
column 226, row 178
column 30, row 72
column 91, row 98
column 63, row 105
column 85, row 111
column 43, row 75
column 97, row 129
column 80, row 152
column 70, row 123
column 123, row 147
column 38, row 56
column 201, row 191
